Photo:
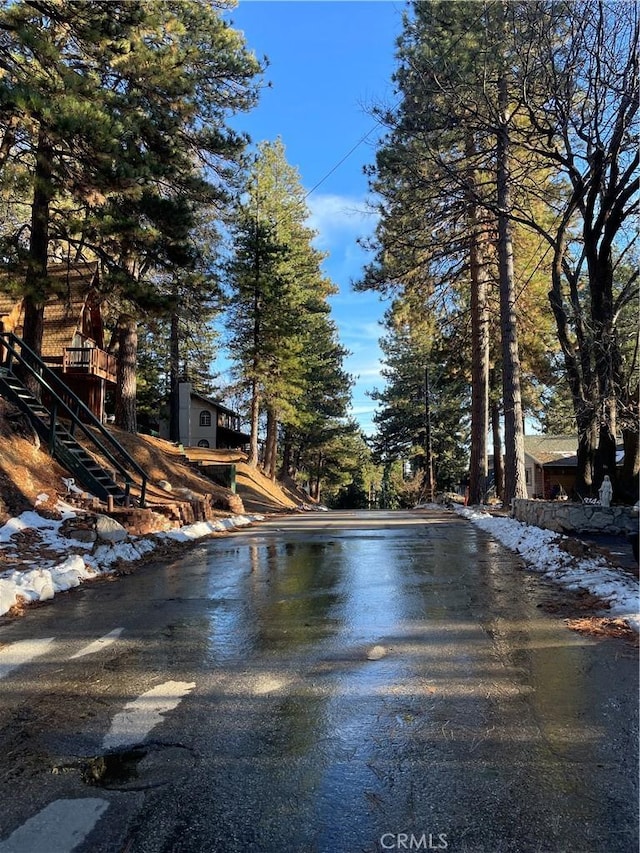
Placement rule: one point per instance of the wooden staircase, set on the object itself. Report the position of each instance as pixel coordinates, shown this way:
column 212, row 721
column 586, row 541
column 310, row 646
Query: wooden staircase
column 58, row 424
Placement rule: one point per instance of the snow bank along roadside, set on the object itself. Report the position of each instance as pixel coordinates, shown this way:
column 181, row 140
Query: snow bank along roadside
column 49, row 575
column 540, row 549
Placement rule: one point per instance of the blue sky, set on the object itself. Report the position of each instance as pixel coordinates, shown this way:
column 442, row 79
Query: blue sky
column 329, row 62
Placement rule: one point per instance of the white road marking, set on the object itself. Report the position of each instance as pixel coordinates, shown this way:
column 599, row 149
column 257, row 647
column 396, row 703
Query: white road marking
column 135, row 721
column 61, row 827
column 24, row 651
column 97, row 645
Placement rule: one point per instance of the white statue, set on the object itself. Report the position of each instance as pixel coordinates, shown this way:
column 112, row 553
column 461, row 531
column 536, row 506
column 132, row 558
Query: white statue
column 605, row 491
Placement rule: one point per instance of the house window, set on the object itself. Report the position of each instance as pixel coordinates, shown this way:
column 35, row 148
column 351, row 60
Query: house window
column 205, row 419
column 203, row 443
column 527, row 476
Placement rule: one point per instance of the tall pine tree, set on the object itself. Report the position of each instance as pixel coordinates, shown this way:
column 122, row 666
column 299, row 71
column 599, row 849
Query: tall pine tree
column 114, row 115
column 277, row 292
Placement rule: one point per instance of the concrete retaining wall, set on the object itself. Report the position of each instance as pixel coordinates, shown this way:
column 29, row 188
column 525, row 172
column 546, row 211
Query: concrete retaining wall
column 566, row 517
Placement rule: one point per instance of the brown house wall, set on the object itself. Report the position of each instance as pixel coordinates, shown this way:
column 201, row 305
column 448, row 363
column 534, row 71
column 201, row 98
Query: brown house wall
column 89, row 390
column 565, row 477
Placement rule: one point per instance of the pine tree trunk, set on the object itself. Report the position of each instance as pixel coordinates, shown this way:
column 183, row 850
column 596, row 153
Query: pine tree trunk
column 174, row 381
column 498, row 467
column 609, row 366
column 255, row 391
column 36, row 276
column 607, row 445
column 33, row 331
column 515, row 478
column 429, row 483
column 479, row 349
column 586, row 453
column 582, row 382
column 126, row 416
column 314, row 489
column 285, row 469
column 255, row 425
column 271, row 445
column 628, row 480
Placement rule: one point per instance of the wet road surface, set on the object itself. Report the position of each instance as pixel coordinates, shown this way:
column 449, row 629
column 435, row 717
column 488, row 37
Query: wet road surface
column 327, row 683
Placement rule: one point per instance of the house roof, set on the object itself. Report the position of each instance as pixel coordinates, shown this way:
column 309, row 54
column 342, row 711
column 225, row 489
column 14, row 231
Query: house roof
column 572, row 461
column 74, row 290
column 557, row 451
column 546, row 449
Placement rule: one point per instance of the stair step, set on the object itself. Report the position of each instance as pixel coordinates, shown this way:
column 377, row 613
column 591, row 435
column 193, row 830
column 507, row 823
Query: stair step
column 82, row 463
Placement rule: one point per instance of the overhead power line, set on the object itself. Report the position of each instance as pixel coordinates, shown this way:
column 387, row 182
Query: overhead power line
column 395, row 107
column 342, row 159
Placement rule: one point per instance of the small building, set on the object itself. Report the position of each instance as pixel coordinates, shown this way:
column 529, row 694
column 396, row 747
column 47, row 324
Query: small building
column 205, row 423
column 551, row 463
column 73, row 339
column 543, row 451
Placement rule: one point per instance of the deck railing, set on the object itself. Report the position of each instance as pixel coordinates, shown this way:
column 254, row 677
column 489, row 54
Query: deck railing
column 90, row 360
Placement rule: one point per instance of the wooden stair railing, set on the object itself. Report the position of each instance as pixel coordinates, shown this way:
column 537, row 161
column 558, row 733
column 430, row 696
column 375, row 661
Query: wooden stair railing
column 60, row 438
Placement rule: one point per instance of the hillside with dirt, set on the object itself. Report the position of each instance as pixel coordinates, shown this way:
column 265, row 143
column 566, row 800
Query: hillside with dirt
column 27, row 470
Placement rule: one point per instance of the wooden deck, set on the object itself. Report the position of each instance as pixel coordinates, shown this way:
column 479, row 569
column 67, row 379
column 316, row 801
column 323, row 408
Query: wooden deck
column 90, row 361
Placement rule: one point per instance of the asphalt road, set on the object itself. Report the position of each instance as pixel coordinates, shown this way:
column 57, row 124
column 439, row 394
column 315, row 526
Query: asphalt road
column 326, row 683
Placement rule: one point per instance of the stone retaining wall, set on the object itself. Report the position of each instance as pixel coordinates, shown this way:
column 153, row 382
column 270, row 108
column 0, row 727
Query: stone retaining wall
column 567, row 517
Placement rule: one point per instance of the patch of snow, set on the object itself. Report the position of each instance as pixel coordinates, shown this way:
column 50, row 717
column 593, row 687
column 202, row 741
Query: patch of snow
column 206, row 528
column 541, row 551
column 48, row 530
column 104, row 556
column 23, row 522
column 48, row 577
column 43, row 583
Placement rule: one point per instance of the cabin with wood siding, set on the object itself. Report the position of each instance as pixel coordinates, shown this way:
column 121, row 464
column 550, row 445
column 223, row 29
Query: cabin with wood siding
column 73, row 341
